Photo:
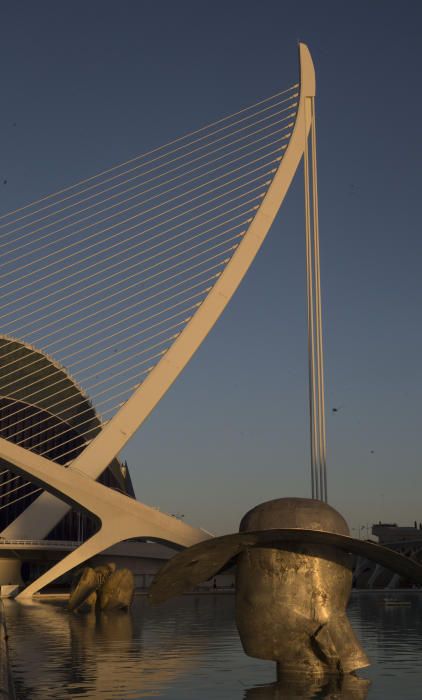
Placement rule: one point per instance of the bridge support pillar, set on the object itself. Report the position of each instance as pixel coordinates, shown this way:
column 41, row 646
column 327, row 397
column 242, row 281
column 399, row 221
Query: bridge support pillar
column 121, row 518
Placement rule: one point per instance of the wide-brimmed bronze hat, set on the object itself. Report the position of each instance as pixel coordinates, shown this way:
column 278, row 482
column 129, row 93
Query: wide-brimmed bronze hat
column 202, row 561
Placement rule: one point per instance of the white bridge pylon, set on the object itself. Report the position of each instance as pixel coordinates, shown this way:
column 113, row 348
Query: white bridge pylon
column 121, row 517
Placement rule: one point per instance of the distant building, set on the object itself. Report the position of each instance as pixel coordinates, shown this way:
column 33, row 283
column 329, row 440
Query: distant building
column 391, row 533
column 406, row 540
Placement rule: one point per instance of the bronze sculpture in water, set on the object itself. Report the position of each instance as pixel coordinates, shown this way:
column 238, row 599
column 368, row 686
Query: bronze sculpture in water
column 103, row 588
column 293, row 581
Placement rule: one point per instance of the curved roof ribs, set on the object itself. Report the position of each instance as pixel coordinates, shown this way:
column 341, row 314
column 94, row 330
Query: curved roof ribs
column 19, row 413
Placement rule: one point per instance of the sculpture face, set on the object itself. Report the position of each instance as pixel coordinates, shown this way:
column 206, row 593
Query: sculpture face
column 291, row 603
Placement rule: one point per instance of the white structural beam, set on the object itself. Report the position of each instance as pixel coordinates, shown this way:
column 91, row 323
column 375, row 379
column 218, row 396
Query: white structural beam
column 121, row 517
column 44, row 513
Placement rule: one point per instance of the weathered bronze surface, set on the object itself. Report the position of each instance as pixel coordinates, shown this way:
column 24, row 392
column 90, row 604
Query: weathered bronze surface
column 202, row 561
column 83, row 594
column 293, row 581
column 291, row 601
column 117, row 591
column 103, row 587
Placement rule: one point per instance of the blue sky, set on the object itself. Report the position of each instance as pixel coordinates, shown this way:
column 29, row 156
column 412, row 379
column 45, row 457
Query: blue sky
column 88, row 85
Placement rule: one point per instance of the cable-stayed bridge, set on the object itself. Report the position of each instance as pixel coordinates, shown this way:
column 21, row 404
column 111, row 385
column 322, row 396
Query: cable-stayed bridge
column 110, row 285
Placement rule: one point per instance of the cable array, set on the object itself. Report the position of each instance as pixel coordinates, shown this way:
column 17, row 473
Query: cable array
column 104, row 275
column 315, row 337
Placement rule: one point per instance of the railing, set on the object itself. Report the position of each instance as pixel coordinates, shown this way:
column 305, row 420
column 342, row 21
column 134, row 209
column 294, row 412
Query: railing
column 43, row 543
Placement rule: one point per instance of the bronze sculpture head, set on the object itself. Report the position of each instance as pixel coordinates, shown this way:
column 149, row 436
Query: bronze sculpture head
column 293, row 581
column 291, row 600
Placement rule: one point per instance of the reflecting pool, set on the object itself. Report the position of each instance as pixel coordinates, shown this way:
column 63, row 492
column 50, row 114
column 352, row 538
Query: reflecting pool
column 188, row 649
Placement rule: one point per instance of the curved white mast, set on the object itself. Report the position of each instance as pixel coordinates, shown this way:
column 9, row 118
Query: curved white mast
column 42, row 515
column 115, row 434
column 97, row 455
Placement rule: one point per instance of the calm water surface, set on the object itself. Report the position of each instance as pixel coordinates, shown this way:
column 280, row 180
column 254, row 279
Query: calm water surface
column 189, row 650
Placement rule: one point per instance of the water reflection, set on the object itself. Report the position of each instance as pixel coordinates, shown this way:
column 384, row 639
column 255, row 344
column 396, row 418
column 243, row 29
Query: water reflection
column 100, row 654
column 348, row 687
column 189, row 649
